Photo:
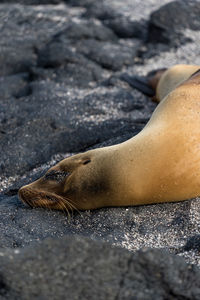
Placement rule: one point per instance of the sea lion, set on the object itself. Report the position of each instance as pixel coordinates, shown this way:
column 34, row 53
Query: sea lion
column 160, row 164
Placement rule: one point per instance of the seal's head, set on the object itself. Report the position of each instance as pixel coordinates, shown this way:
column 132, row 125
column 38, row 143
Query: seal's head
column 78, row 182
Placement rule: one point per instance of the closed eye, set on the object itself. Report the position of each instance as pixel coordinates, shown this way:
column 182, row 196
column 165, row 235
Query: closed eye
column 86, row 162
column 56, row 175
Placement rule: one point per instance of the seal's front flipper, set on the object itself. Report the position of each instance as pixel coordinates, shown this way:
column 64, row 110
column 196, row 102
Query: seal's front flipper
column 139, row 83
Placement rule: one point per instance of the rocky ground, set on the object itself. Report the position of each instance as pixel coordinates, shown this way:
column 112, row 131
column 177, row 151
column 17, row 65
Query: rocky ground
column 61, row 92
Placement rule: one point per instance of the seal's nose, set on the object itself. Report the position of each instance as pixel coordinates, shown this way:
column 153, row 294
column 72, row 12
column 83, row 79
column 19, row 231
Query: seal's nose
column 23, row 195
column 20, row 192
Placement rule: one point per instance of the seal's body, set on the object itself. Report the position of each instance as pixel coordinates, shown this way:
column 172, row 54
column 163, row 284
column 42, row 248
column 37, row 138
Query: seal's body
column 160, row 164
column 173, row 77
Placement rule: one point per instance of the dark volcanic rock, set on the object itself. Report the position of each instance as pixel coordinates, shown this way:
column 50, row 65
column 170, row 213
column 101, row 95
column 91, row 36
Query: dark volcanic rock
column 89, row 45
column 100, row 10
column 88, row 29
column 125, row 28
column 59, row 64
column 63, row 57
column 108, row 55
column 16, row 58
column 122, row 25
column 193, row 243
column 60, row 93
column 168, row 22
column 62, row 120
column 158, row 226
column 14, row 86
column 32, row 2
column 24, row 30
column 84, row 269
column 61, row 50
column 44, row 53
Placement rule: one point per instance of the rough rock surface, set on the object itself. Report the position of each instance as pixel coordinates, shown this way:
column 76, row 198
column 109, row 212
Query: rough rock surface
column 84, row 269
column 166, row 24
column 61, row 93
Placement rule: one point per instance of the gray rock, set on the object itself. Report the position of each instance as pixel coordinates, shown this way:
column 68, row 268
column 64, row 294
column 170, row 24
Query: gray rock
column 32, row 2
column 61, row 93
column 24, row 31
column 62, row 60
column 172, row 226
column 100, row 10
column 112, row 56
column 88, row 29
column 67, row 121
column 84, row 269
column 41, row 59
column 16, row 58
column 126, row 28
column 168, row 22
column 14, row 86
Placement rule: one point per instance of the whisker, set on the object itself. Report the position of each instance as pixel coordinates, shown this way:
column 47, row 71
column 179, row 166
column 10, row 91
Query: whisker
column 71, row 208
column 66, row 209
column 43, row 200
column 48, row 206
column 29, row 203
column 60, row 204
column 60, row 207
column 73, row 205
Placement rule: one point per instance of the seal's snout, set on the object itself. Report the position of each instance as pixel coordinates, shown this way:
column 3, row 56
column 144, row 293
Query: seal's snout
column 41, row 198
column 21, row 193
column 30, row 196
column 24, row 195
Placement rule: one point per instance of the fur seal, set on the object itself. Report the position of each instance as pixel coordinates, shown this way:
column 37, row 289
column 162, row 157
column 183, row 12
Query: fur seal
column 160, row 164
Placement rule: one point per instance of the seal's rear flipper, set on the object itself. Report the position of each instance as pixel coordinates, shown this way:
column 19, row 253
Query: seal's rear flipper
column 147, row 85
column 139, row 83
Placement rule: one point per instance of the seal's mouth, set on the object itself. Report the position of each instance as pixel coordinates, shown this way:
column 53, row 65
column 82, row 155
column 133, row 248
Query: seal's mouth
column 35, row 198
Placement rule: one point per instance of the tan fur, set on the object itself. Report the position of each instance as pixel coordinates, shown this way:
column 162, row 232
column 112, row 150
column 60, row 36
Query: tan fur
column 172, row 77
column 160, row 164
